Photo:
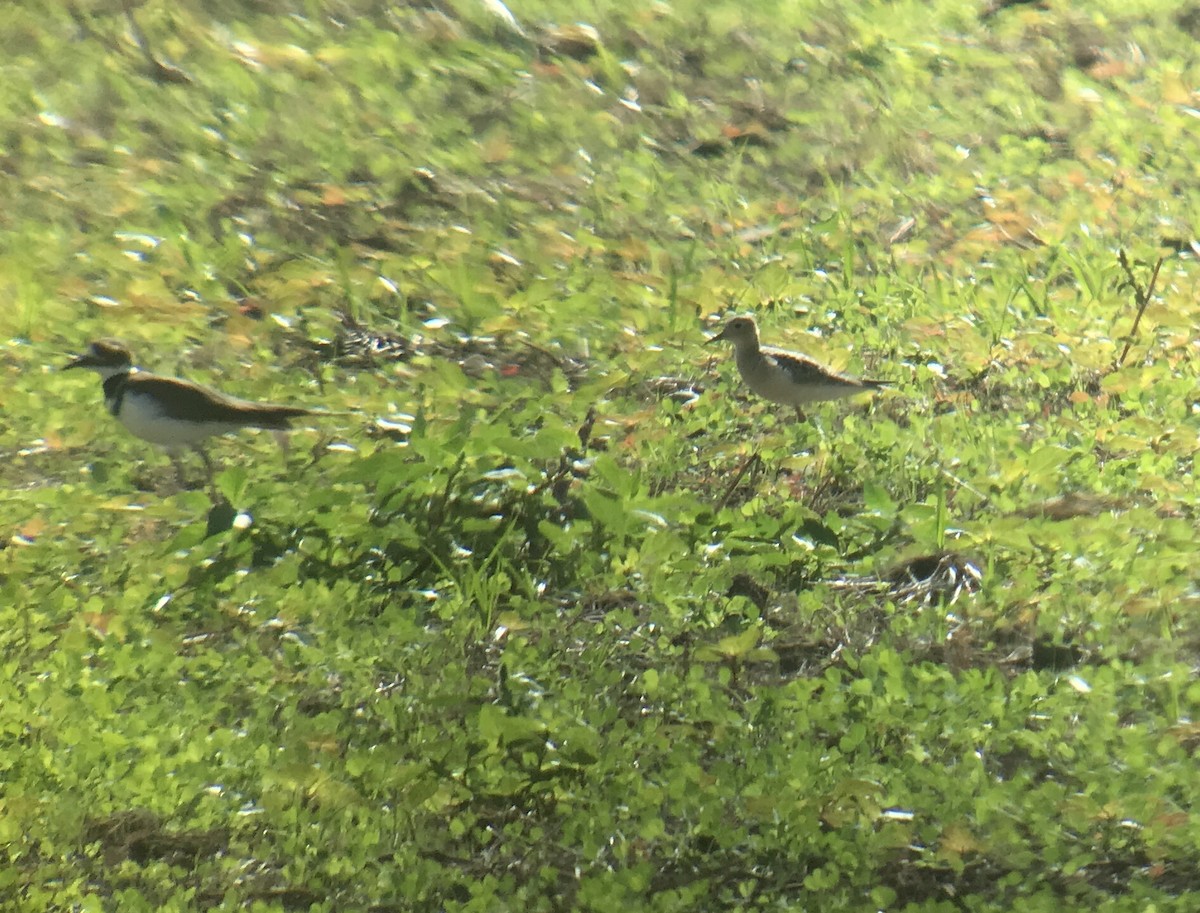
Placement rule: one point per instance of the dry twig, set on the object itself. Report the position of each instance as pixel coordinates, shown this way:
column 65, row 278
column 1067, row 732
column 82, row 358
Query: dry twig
column 1141, row 295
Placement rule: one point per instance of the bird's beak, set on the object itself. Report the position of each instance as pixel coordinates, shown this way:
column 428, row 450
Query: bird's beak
column 717, row 338
column 79, row 361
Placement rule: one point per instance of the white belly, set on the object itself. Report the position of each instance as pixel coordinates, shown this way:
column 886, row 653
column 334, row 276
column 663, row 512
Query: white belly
column 781, row 391
column 774, row 384
column 143, row 418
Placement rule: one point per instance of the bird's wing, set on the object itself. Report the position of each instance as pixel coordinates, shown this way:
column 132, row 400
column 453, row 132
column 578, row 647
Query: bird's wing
column 183, row 399
column 803, row 370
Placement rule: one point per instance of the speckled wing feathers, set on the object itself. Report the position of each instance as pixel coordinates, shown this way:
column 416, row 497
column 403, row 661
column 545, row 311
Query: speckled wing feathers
column 802, row 370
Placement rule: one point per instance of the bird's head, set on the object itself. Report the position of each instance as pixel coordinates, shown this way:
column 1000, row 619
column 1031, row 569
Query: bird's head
column 738, row 330
column 104, row 356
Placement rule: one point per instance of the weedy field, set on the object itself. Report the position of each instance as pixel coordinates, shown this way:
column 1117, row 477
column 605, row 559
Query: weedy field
column 550, row 612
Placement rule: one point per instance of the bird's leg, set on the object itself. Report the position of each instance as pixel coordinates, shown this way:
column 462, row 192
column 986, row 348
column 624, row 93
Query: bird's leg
column 208, row 466
column 210, row 472
column 180, row 473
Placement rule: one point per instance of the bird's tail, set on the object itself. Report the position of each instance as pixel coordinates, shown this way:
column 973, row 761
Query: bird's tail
column 275, row 418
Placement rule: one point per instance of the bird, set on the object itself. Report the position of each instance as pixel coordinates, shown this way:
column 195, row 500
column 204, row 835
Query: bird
column 786, row 377
column 171, row 412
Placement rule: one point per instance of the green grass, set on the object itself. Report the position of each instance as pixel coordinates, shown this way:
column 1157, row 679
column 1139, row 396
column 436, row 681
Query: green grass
column 501, row 633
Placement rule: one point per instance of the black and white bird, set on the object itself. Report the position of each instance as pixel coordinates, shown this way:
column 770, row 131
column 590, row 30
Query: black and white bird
column 171, row 412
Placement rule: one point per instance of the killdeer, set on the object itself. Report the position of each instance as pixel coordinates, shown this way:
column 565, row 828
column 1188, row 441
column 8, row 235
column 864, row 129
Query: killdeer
column 786, row 377
column 171, row 412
